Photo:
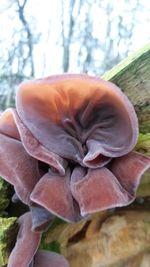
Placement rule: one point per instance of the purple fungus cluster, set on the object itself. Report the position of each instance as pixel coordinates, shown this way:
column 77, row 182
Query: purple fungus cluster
column 67, row 148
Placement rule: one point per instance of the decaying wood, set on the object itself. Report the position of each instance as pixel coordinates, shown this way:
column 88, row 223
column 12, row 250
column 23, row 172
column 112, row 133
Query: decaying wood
column 105, row 239
column 132, row 75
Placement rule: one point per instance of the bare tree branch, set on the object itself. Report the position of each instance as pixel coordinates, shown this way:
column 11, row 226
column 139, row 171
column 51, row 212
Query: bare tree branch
column 29, row 34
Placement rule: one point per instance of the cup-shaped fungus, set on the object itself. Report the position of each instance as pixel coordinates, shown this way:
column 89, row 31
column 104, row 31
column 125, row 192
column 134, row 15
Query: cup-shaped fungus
column 67, row 148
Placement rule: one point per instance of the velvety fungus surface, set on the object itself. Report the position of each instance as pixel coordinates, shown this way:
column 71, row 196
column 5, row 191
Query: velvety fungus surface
column 67, row 148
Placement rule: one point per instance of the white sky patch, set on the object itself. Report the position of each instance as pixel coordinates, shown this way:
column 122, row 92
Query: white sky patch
column 47, row 14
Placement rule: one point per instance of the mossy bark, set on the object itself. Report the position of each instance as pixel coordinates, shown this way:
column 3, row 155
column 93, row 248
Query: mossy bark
column 8, row 231
column 4, row 195
column 132, row 75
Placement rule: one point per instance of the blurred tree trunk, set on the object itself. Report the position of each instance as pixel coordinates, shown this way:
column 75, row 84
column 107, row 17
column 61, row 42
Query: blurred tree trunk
column 30, row 42
column 18, row 63
column 67, row 37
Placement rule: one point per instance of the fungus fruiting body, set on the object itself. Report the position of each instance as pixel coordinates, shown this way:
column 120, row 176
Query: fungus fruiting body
column 67, row 148
column 24, row 253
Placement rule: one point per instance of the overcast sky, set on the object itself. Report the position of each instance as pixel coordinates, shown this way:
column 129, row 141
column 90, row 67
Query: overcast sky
column 47, row 14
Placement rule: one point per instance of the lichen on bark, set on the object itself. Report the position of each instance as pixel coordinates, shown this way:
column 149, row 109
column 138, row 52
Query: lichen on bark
column 4, row 195
column 132, row 75
column 143, row 144
column 8, row 231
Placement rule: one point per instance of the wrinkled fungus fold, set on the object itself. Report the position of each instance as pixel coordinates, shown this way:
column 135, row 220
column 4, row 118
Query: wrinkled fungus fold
column 25, row 253
column 67, row 148
column 41, row 218
column 16, row 165
column 26, row 244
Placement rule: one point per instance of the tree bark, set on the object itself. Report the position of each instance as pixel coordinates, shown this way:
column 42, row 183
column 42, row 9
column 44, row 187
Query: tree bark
column 132, row 75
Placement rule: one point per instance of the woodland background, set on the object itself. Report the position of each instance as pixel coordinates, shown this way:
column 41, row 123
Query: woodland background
column 40, row 38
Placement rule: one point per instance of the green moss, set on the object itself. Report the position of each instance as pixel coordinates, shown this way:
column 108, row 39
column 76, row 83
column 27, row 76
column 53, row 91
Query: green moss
column 143, row 144
column 8, row 232
column 56, row 222
column 52, row 246
column 4, row 194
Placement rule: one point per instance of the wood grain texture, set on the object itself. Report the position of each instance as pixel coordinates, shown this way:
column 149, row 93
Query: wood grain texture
column 132, row 75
